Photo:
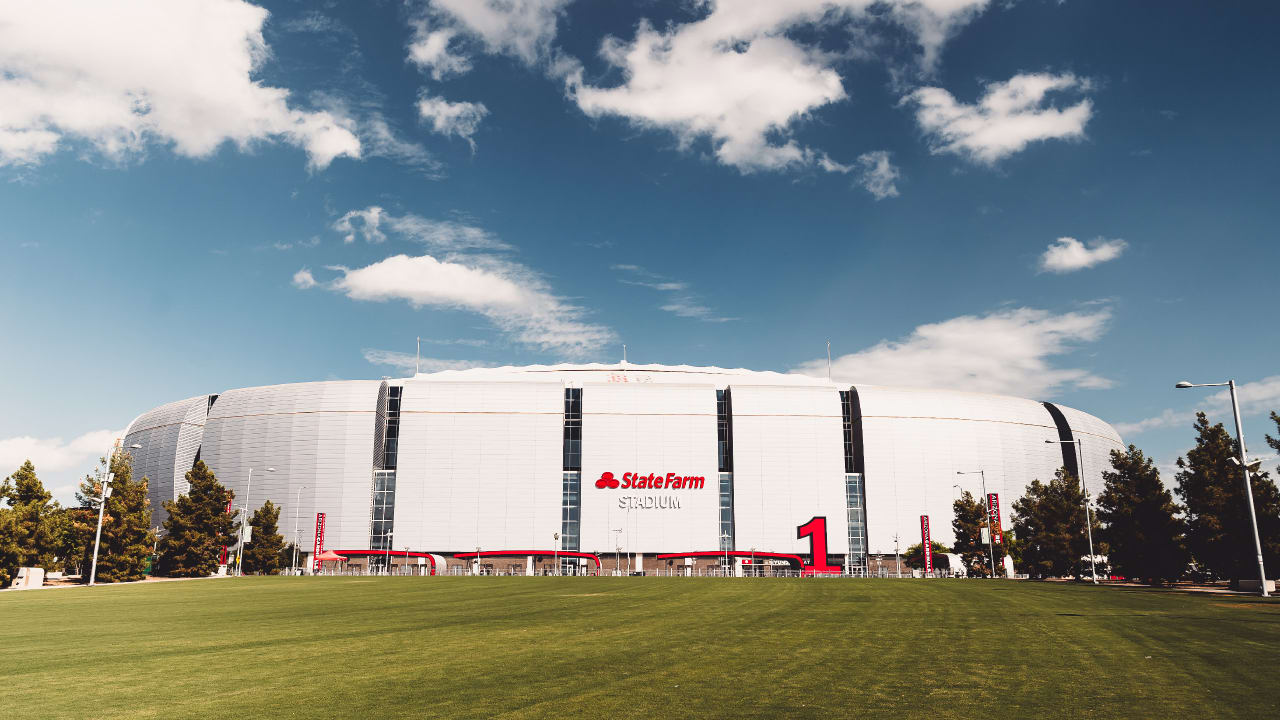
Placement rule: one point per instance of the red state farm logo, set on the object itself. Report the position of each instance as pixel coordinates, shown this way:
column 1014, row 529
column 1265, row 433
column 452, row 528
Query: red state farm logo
column 652, row 481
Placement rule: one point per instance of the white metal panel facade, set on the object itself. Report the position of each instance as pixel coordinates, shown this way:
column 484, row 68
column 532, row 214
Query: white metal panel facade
column 480, row 456
column 643, row 429
column 788, row 467
column 917, row 440
column 169, row 436
column 1097, row 440
column 479, row 465
column 318, row 435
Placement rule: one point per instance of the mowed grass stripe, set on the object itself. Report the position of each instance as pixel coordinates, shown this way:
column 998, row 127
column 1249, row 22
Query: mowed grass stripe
column 635, row 647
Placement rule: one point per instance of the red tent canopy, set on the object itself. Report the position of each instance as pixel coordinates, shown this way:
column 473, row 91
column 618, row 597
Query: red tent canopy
column 329, row 555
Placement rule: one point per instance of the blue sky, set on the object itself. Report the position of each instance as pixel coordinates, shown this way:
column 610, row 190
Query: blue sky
column 1071, row 201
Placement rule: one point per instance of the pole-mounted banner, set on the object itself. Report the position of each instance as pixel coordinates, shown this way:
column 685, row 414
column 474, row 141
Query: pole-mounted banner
column 926, row 544
column 315, row 556
column 993, row 516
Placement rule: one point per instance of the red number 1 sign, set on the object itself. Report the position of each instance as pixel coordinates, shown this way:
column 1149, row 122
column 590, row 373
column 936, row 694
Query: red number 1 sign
column 816, row 531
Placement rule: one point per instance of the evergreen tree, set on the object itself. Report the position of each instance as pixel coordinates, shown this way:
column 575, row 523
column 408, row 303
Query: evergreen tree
column 126, row 523
column 198, row 526
column 34, row 526
column 1139, row 522
column 1274, row 442
column 970, row 518
column 1049, row 523
column 74, row 535
column 286, row 555
column 1219, row 531
column 913, row 557
column 10, row 553
column 265, row 545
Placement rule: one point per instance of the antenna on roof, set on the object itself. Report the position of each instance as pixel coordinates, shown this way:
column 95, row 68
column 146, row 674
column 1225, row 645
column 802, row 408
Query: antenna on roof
column 624, row 353
column 417, row 356
column 828, row 360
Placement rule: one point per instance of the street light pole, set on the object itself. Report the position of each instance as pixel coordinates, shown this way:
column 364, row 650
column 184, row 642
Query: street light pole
column 617, row 550
column 102, row 506
column 991, row 548
column 297, row 506
column 1088, row 520
column 388, row 540
column 244, row 521
column 1244, row 467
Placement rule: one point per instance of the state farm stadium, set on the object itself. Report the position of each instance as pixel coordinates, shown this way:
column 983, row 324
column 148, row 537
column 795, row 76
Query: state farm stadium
column 612, row 468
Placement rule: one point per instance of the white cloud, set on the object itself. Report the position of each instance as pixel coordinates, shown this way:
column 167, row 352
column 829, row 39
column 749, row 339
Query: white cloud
column 373, row 223
column 381, row 140
column 1009, row 351
column 303, row 279
column 1068, row 254
column 365, row 224
column 878, row 175
column 522, row 29
column 680, row 299
column 1256, row 398
column 511, row 296
column 1010, row 116
column 407, row 362
column 55, row 454
column 452, row 118
column 430, row 51
column 739, row 77
column 120, row 75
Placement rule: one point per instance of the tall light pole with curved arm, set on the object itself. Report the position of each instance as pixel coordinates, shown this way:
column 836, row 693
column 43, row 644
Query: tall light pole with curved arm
column 1244, row 464
column 244, row 520
column 991, row 548
column 297, row 506
column 1088, row 520
column 102, row 506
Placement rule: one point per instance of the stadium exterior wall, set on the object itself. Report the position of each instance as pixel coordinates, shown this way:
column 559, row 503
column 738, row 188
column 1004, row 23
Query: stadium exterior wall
column 504, row 458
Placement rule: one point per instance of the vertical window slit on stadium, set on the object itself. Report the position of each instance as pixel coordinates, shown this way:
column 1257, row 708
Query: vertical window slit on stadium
column 386, row 459
column 854, row 487
column 724, row 451
column 571, row 504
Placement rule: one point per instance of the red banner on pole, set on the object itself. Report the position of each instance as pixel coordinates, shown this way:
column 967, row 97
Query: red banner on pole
column 993, row 515
column 315, row 556
column 926, row 544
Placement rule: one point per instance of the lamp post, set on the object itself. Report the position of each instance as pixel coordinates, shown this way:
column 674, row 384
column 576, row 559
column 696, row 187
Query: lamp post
column 387, row 540
column 991, row 548
column 297, row 506
column 1088, row 520
column 406, row 559
column 244, row 520
column 102, row 506
column 555, row 538
column 724, row 543
column 617, row 550
column 1244, row 467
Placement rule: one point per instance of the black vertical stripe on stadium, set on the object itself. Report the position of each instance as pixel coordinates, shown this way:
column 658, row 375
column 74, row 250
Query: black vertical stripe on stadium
column 1064, row 433
column 855, row 414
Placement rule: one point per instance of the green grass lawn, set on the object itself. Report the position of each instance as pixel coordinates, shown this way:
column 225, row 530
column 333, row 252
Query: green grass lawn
column 634, row 647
